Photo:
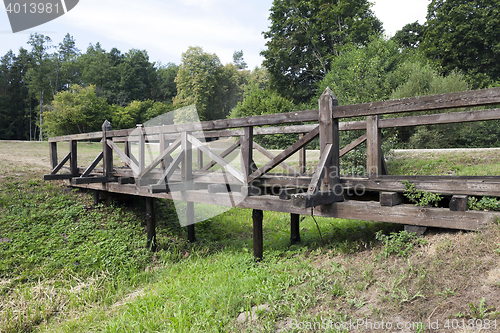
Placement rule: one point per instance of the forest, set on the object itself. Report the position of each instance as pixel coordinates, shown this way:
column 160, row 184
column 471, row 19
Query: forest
column 49, row 89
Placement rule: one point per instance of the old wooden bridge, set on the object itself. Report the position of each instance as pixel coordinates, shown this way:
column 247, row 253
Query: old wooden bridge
column 173, row 175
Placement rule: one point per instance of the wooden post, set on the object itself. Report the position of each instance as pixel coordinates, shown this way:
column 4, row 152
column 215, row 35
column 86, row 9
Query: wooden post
column 190, row 221
column 73, row 145
column 247, row 151
column 96, row 198
column 186, row 176
column 200, row 159
column 107, row 159
column 329, row 134
column 302, row 157
column 150, row 224
column 142, row 148
column 53, row 155
column 374, row 155
column 126, row 148
column 163, row 146
column 258, row 240
column 294, row 228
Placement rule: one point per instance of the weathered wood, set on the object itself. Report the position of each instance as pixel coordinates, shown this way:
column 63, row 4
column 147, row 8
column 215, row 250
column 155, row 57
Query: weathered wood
column 228, row 167
column 200, row 159
column 77, row 137
column 285, row 154
column 124, row 157
column 96, row 197
column 164, row 178
column 73, row 149
column 226, row 152
column 92, row 166
column 142, row 149
column 258, row 239
column 294, row 228
column 218, row 188
column 352, row 145
column 150, row 224
column 415, row 229
column 422, row 103
column 107, row 151
column 319, row 175
column 90, row 180
column 302, row 157
column 306, row 200
column 329, row 134
column 60, row 165
column 390, row 199
column 459, row 203
column 171, row 148
column 190, row 222
column 246, row 151
column 269, row 155
column 126, row 180
column 53, row 154
column 58, row 176
column 373, row 147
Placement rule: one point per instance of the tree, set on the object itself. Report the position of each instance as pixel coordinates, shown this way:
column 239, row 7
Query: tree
column 410, row 36
column 213, row 88
column 305, row 37
column 463, row 34
column 165, row 86
column 238, row 60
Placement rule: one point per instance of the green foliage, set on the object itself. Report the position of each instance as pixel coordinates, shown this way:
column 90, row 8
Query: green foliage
column 463, row 35
column 306, row 36
column 410, row 36
column 419, row 197
column 399, row 243
column 213, row 88
column 485, row 203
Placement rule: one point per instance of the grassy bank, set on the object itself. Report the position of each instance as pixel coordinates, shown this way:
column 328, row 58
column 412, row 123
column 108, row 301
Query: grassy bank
column 66, row 266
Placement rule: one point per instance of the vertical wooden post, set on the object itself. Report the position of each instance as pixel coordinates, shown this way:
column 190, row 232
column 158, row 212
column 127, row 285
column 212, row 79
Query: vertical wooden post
column 190, row 221
column 142, row 148
column 258, row 240
column 329, row 134
column 106, row 151
column 373, row 147
column 53, row 155
column 247, row 151
column 126, row 148
column 294, row 228
column 302, row 157
column 200, row 159
column 73, row 145
column 96, row 198
column 150, row 224
column 163, row 146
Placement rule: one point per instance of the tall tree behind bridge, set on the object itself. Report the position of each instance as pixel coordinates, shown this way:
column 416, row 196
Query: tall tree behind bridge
column 305, row 36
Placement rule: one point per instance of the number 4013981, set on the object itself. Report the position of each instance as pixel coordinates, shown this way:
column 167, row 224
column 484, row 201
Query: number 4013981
column 32, row 8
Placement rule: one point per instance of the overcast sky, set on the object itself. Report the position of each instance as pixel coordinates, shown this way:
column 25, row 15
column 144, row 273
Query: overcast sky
column 166, row 28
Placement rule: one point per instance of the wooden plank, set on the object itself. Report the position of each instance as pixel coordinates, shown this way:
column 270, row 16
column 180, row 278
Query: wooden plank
column 142, row 149
column 269, row 155
column 90, row 180
column 190, row 221
column 77, row 137
column 352, row 145
column 124, row 157
column 60, row 165
column 160, row 158
column 329, row 134
column 317, row 179
column 302, row 157
column 284, row 154
column 459, row 203
column 92, row 166
column 258, row 239
column 53, row 154
column 422, row 103
column 228, row 167
column 390, row 199
column 58, row 176
column 226, row 152
column 171, row 168
column 294, row 228
column 373, row 147
column 442, row 118
column 246, row 151
column 107, row 151
column 306, row 200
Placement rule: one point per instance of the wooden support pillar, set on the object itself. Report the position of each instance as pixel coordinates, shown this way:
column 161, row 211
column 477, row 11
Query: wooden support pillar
column 96, row 197
column 294, row 228
column 53, row 155
column 458, row 203
column 302, row 157
column 150, row 224
column 247, row 151
column 107, row 159
column 258, row 239
column 200, row 159
column 416, row 229
column 190, row 221
column 329, row 134
column 142, row 148
column 126, row 148
column 374, row 166
column 390, row 199
column 73, row 145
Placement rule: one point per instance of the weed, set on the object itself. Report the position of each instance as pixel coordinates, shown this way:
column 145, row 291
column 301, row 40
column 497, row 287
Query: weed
column 485, row 203
column 479, row 311
column 419, row 197
column 398, row 243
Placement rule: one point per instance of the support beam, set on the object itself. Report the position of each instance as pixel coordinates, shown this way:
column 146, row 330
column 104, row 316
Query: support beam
column 60, row 165
column 53, row 154
column 352, row 145
column 96, row 198
column 258, row 239
column 107, row 151
column 302, row 157
column 247, row 145
column 373, row 147
column 389, row 199
column 458, row 203
column 329, row 134
column 142, row 148
column 226, row 152
column 267, row 154
column 294, row 228
column 73, row 148
column 92, row 166
column 150, row 224
column 190, row 221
